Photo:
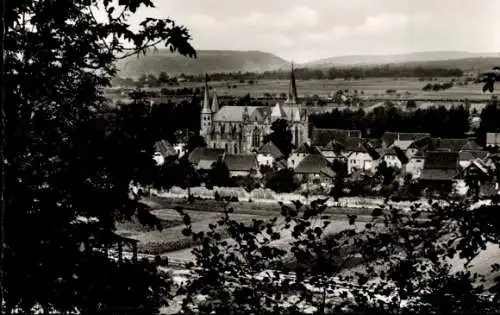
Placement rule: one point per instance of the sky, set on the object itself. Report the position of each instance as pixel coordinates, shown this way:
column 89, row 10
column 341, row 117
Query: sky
column 306, row 30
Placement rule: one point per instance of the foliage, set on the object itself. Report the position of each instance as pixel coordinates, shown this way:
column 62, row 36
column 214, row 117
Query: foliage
column 282, row 181
column 281, row 136
column 439, row 122
column 218, row 175
column 357, row 73
column 68, row 156
column 282, row 265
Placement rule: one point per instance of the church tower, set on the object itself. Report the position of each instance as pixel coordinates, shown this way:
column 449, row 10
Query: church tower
column 206, row 113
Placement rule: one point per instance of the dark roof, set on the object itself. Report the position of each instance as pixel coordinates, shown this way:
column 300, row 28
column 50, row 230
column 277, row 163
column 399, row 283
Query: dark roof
column 390, row 137
column 488, row 190
column 241, row 162
column 271, row 149
column 165, row 148
column 334, row 146
column 471, row 145
column 201, row 153
column 441, row 160
column 321, row 136
column 307, row 149
column 438, row 174
column 445, row 144
column 312, row 164
column 469, row 155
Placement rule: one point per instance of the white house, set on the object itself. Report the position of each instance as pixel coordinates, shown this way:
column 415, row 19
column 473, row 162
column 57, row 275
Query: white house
column 360, row 160
column 492, row 139
column 180, row 148
column 391, row 159
column 268, row 154
column 466, row 157
column 415, row 165
column 298, row 155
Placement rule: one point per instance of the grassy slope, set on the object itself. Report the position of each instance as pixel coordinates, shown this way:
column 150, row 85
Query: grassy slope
column 206, row 61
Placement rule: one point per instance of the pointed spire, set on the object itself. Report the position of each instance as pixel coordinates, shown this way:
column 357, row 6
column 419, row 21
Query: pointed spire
column 292, row 88
column 206, row 99
column 215, row 103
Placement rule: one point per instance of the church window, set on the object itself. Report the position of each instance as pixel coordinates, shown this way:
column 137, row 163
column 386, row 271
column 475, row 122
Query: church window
column 214, row 145
column 226, row 147
column 256, row 138
column 222, row 129
column 235, row 148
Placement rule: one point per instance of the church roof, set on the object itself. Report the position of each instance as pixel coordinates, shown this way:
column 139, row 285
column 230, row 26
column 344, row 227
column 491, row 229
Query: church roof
column 233, row 113
column 278, row 112
column 322, row 136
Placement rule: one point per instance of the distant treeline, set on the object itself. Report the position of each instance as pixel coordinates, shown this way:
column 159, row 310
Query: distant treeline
column 347, row 73
column 439, row 122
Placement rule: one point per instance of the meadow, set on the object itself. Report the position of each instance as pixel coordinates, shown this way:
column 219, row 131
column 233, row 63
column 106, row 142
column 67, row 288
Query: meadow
column 370, row 88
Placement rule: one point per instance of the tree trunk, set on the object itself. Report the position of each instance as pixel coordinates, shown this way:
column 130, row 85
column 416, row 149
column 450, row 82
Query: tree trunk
column 3, row 121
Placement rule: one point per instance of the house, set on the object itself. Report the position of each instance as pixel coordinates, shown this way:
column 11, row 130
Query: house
column 440, row 169
column 415, row 165
column 391, row 158
column 447, row 144
column 465, row 157
column 477, row 172
column 298, row 155
column 320, row 137
column 314, row 166
column 401, row 139
column 203, row 158
column 268, row 154
column 242, row 165
column 493, row 139
column 361, row 155
column 333, row 150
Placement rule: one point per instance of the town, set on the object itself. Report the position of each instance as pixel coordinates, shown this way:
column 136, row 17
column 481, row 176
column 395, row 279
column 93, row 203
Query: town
column 239, row 138
column 234, row 157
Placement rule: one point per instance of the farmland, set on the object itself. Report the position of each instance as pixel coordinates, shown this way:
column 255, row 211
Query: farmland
column 370, row 88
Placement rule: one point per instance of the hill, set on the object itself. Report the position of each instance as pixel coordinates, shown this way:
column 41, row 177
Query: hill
column 209, row 61
column 417, row 57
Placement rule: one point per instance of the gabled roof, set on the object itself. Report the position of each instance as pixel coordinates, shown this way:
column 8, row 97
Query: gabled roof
column 304, row 148
column 390, row 137
column 322, row 136
column 312, row 164
column 201, row 153
column 241, row 162
column 438, row 174
column 233, row 113
column 165, row 148
column 205, row 164
column 271, row 149
column 447, row 144
column 441, row 160
column 471, row 145
column 469, row 155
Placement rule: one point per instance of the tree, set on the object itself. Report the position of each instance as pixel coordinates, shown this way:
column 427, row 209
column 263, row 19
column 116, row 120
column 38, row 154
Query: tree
column 68, row 156
column 218, row 175
column 163, row 77
column 282, row 181
column 281, row 136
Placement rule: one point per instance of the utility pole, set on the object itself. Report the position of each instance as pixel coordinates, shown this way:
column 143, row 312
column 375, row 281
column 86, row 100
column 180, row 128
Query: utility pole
column 2, row 153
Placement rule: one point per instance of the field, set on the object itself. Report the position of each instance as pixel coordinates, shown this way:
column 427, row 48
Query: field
column 370, row 87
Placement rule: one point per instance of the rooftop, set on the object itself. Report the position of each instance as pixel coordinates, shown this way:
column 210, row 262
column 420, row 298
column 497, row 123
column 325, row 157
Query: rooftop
column 241, row 162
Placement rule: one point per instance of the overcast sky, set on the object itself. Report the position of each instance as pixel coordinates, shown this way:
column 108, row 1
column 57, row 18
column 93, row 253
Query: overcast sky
column 304, row 30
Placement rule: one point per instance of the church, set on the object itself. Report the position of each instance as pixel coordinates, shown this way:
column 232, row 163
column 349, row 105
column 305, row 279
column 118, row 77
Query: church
column 241, row 129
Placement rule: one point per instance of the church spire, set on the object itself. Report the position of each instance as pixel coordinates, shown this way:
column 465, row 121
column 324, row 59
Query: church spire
column 206, row 100
column 292, row 88
column 215, row 103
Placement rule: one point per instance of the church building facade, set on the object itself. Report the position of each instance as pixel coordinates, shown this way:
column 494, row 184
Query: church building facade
column 241, row 129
